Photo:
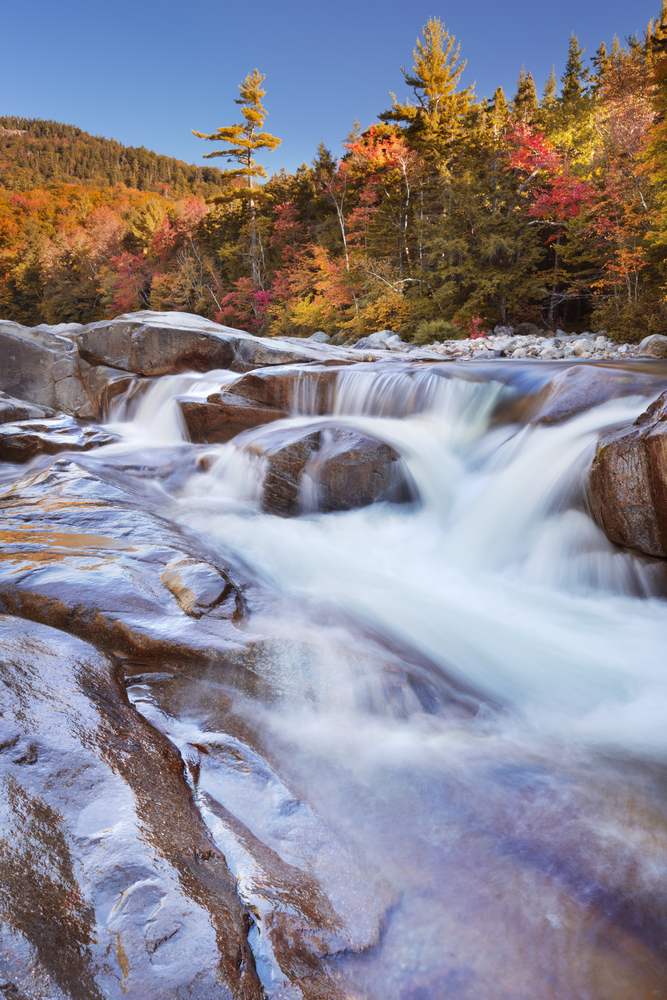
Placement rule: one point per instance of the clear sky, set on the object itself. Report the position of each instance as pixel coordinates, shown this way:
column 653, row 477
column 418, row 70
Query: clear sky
column 147, row 72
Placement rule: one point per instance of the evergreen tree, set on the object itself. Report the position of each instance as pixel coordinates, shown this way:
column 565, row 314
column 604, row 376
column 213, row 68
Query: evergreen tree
column 245, row 140
column 435, row 121
column 524, row 103
column 576, row 78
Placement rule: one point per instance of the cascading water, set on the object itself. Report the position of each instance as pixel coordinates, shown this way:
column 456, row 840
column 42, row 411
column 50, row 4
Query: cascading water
column 469, row 695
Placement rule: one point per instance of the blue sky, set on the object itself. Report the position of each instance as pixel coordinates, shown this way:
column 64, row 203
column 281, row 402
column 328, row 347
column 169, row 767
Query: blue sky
column 147, row 72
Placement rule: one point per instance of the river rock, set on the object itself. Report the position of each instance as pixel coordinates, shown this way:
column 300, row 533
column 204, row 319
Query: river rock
column 81, row 555
column 41, row 367
column 157, row 347
column 580, row 387
column 654, row 346
column 154, row 343
column 307, row 390
column 21, row 441
column 326, row 468
column 12, row 409
column 110, row 885
column 628, row 483
column 223, row 416
column 104, row 384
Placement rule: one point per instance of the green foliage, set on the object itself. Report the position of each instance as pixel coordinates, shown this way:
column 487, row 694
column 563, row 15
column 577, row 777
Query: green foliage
column 47, row 152
column 430, row 330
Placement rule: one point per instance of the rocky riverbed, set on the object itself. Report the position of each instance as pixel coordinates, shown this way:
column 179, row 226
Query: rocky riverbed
column 331, row 671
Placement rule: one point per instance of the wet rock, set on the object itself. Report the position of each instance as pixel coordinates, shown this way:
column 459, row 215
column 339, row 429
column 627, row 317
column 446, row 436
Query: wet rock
column 286, row 455
column 110, row 885
column 223, row 416
column 12, row 409
column 351, row 470
column 654, row 346
column 104, row 384
column 305, row 390
column 79, row 555
column 21, row 441
column 581, row 387
column 199, row 587
column 628, row 483
column 326, row 468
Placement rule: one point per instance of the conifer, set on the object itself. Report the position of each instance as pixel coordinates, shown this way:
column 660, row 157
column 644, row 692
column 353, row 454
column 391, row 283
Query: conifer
column 524, row 103
column 435, row 121
column 245, row 140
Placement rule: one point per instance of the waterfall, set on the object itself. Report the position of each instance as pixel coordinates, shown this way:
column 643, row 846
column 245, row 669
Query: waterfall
column 469, row 690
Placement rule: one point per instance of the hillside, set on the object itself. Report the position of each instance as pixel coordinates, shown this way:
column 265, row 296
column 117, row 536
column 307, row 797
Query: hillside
column 34, row 153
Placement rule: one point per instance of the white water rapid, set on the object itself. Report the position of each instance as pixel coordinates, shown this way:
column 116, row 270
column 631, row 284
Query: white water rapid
column 477, row 703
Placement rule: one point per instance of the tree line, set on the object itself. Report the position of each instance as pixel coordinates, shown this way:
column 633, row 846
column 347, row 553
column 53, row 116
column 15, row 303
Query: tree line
column 448, row 215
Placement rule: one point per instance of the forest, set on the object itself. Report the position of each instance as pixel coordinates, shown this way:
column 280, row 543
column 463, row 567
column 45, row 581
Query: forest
column 447, row 216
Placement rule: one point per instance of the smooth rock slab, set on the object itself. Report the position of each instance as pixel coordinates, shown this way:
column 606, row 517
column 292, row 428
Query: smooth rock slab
column 21, row 441
column 110, row 886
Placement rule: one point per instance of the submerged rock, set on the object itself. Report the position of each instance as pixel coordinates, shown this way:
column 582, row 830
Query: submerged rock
column 628, row 483
column 109, row 883
column 21, row 441
column 581, row 387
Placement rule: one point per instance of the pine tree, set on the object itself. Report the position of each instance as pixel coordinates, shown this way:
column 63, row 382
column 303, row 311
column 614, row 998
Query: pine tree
column 576, row 78
column 435, row 121
column 245, row 140
column 524, row 103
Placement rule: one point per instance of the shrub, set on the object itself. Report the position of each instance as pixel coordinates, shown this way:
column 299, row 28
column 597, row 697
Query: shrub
column 430, row 330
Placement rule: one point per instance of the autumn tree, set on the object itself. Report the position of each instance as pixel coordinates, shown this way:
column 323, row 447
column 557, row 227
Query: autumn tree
column 243, row 141
column 433, row 123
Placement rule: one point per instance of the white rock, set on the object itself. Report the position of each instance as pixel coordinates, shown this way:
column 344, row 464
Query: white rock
column 520, row 352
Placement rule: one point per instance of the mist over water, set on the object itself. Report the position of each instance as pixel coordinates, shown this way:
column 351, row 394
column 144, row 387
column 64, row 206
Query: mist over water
column 470, row 693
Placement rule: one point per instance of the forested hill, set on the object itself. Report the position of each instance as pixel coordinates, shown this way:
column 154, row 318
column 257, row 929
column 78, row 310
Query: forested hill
column 34, row 153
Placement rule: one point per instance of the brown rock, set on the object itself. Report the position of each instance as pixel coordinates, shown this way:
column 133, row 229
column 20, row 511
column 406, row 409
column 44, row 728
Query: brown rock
column 528, row 330
column 104, row 384
column 628, row 483
column 131, row 344
column 326, row 468
column 223, row 416
column 306, row 390
column 21, row 441
column 351, row 470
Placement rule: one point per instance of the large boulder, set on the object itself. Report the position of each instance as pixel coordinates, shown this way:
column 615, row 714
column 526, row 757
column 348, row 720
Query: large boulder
column 110, row 885
column 41, row 366
column 628, row 483
column 153, row 343
column 21, row 441
column 326, row 468
column 104, row 385
column 654, row 346
column 153, row 348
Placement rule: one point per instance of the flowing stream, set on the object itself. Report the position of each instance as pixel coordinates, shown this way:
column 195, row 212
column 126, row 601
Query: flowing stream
column 466, row 739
